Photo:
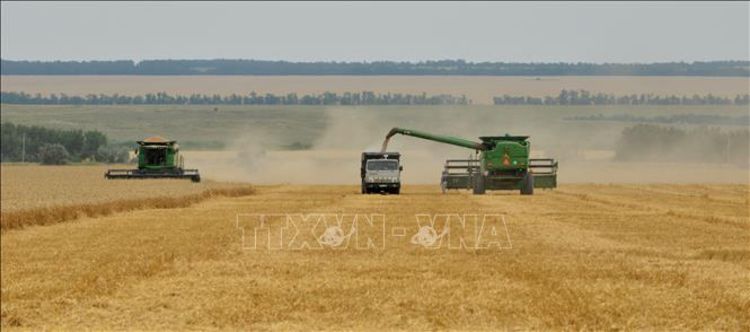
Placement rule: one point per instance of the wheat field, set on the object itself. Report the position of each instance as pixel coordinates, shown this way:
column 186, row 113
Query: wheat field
column 41, row 195
column 480, row 89
column 584, row 256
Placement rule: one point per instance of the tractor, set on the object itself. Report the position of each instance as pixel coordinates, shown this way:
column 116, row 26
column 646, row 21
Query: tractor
column 158, row 158
column 502, row 163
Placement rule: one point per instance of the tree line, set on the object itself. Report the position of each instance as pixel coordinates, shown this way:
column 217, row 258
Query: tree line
column 163, row 98
column 695, row 119
column 648, row 142
column 56, row 146
column 566, row 97
column 583, row 97
column 440, row 67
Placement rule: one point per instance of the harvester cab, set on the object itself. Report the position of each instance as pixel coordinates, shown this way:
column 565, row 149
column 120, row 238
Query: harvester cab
column 158, row 158
column 503, row 163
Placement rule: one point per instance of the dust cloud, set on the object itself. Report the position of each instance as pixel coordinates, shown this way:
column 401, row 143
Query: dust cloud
column 585, row 152
column 334, row 157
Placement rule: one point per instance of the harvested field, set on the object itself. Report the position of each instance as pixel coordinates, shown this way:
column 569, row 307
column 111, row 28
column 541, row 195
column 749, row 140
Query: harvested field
column 480, row 89
column 582, row 257
column 40, row 195
column 32, row 186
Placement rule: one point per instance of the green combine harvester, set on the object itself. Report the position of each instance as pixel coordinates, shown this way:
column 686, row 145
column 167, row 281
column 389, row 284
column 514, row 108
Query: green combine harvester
column 503, row 163
column 158, row 158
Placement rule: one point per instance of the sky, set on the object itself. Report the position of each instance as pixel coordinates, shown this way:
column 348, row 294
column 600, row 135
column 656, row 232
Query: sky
column 363, row 31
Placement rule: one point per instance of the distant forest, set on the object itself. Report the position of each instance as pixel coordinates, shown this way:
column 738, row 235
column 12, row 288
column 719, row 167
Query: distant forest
column 694, row 119
column 442, row 67
column 55, row 146
column 566, row 97
column 162, row 98
column 584, row 97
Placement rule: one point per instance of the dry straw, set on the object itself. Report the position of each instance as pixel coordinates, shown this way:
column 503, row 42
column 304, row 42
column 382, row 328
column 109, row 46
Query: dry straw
column 58, row 214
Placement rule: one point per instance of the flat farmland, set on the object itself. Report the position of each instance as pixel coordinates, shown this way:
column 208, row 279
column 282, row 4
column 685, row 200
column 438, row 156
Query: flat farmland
column 33, row 186
column 43, row 195
column 579, row 257
column 617, row 246
column 480, row 89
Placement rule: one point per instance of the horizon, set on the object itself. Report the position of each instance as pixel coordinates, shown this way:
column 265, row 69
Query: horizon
column 136, row 62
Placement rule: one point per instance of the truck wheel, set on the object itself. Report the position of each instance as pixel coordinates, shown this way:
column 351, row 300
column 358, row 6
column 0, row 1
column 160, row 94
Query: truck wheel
column 479, row 184
column 396, row 191
column 527, row 185
column 195, row 178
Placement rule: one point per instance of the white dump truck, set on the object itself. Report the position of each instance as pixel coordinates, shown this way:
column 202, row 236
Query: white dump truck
column 381, row 172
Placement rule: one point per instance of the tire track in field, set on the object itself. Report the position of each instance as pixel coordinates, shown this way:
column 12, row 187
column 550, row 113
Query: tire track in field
column 586, row 220
column 543, row 220
column 650, row 231
column 739, row 222
column 701, row 196
column 574, row 224
column 683, row 195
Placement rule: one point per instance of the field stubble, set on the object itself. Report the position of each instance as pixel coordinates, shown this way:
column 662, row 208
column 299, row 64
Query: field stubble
column 583, row 257
column 42, row 195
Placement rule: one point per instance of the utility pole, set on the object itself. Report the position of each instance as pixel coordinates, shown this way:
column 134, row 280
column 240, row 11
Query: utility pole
column 23, row 148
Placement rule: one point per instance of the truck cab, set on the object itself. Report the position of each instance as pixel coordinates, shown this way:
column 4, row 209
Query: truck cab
column 381, row 172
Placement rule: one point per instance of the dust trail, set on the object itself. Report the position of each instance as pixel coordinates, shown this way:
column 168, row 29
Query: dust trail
column 333, row 158
column 585, row 150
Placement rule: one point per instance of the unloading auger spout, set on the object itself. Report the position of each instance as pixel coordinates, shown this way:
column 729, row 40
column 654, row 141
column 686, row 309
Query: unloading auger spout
column 438, row 138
